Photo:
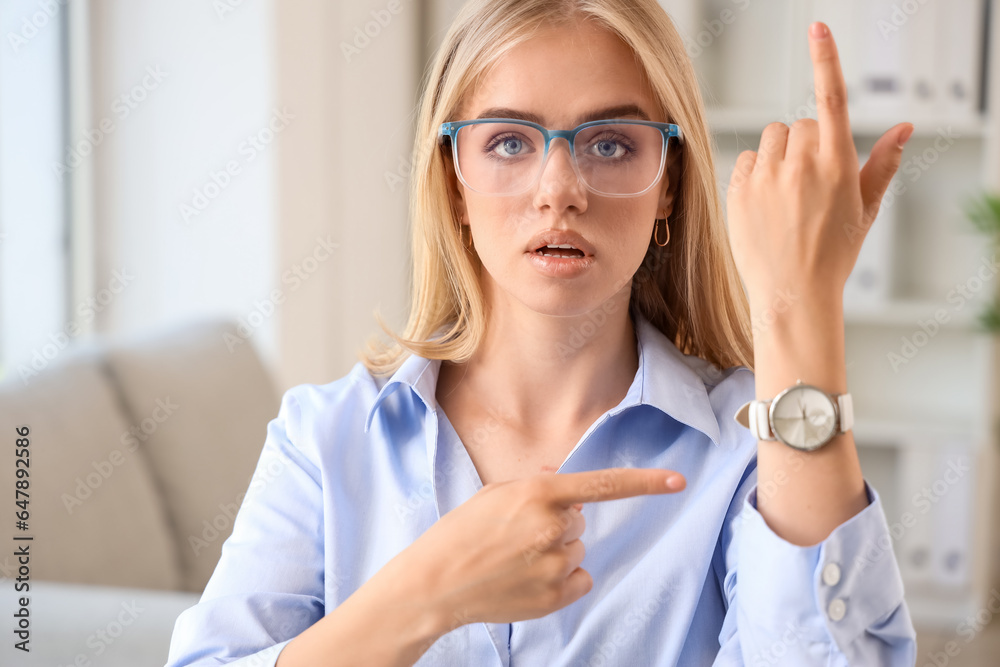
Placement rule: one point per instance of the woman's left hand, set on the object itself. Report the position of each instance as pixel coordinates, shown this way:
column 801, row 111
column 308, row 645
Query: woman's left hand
column 798, row 209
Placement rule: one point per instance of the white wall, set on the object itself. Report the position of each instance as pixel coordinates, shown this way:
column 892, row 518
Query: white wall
column 214, row 89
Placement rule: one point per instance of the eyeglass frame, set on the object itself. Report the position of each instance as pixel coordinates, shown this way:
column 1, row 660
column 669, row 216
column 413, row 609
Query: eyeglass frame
column 450, row 130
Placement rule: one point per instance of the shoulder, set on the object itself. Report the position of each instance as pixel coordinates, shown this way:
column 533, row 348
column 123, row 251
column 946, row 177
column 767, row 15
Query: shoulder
column 309, row 413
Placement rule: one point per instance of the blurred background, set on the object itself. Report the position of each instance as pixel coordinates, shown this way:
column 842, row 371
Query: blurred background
column 202, row 204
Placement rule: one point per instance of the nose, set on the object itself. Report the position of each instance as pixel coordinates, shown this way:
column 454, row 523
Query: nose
column 558, row 178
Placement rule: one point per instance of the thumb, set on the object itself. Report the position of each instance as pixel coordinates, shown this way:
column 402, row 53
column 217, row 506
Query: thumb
column 882, row 164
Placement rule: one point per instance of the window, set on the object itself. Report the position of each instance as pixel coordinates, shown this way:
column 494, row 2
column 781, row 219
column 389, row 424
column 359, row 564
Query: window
column 34, row 230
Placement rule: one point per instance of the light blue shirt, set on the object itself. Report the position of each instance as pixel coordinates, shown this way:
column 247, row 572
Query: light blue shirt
column 353, row 471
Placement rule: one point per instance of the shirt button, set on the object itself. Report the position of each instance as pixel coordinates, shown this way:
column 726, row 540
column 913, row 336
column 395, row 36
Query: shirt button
column 831, row 574
column 837, row 609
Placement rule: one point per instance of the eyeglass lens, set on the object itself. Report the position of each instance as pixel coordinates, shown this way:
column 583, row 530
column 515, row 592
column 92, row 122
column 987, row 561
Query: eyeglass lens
column 506, row 158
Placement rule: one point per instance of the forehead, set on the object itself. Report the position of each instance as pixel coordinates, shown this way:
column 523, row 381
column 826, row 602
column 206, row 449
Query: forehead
column 563, row 73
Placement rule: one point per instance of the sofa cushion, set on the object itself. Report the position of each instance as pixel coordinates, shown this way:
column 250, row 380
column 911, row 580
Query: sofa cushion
column 203, row 404
column 95, row 512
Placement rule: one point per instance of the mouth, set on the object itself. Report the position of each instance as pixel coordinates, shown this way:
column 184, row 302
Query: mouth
column 564, row 251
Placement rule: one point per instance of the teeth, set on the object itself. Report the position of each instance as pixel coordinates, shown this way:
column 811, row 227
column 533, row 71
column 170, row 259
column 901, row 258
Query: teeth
column 567, row 246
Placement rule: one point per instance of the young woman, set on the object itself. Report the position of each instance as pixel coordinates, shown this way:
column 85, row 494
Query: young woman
column 577, row 309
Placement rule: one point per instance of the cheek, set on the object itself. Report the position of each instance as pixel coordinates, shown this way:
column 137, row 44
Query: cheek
column 500, row 227
column 629, row 231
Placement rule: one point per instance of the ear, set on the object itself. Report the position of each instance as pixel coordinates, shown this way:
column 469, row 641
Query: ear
column 671, row 187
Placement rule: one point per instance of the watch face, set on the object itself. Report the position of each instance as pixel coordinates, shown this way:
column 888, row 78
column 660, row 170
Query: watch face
column 803, row 417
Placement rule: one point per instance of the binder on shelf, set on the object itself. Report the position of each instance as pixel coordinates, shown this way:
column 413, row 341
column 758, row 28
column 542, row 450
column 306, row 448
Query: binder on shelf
column 960, row 30
column 882, row 52
column 923, row 47
column 952, row 527
column 914, row 546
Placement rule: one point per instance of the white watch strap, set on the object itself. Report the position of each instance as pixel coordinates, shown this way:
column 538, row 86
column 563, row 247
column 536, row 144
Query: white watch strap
column 759, row 425
column 846, row 408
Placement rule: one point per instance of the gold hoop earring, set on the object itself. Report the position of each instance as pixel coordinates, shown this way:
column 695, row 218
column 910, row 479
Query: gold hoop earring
column 656, row 228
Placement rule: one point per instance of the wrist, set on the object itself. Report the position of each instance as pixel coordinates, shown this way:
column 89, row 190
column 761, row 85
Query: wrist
column 415, row 604
column 804, row 342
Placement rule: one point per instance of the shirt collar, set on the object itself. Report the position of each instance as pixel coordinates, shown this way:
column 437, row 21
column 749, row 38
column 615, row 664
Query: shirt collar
column 666, row 379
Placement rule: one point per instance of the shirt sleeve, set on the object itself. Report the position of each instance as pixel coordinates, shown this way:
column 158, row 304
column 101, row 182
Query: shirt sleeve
column 836, row 603
column 267, row 587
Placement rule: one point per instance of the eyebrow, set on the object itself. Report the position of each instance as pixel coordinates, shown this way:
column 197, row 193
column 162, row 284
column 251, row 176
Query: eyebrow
column 619, row 111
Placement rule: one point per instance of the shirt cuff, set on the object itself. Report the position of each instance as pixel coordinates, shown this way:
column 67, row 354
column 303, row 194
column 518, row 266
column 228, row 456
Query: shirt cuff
column 264, row 658
column 836, row 589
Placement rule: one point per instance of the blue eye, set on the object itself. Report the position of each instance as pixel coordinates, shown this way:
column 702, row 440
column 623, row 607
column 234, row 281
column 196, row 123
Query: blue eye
column 612, row 147
column 512, row 145
column 604, row 146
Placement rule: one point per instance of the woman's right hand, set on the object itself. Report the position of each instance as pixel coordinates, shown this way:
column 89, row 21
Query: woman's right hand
column 512, row 551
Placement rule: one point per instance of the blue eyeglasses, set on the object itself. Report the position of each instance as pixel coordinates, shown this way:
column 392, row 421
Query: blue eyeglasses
column 505, row 156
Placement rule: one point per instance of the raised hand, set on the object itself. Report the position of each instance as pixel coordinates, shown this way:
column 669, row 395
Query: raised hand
column 798, row 209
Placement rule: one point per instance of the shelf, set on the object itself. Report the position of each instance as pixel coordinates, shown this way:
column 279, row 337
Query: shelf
column 753, row 121
column 903, row 431
column 909, row 313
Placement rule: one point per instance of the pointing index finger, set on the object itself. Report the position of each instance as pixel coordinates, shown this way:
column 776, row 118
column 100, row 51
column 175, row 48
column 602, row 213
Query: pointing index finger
column 610, row 484
column 831, row 91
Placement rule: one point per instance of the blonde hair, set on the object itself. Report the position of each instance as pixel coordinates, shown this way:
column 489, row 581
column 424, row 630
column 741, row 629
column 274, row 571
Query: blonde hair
column 696, row 299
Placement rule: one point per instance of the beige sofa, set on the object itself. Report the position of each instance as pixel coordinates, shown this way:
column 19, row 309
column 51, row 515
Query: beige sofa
column 140, row 453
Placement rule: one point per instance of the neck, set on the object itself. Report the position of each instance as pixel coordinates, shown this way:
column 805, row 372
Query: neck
column 549, row 371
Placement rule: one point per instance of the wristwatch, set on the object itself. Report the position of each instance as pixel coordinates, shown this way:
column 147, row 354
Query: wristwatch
column 802, row 416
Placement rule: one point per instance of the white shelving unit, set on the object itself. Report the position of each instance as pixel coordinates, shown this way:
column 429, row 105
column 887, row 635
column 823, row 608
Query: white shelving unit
column 926, row 417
